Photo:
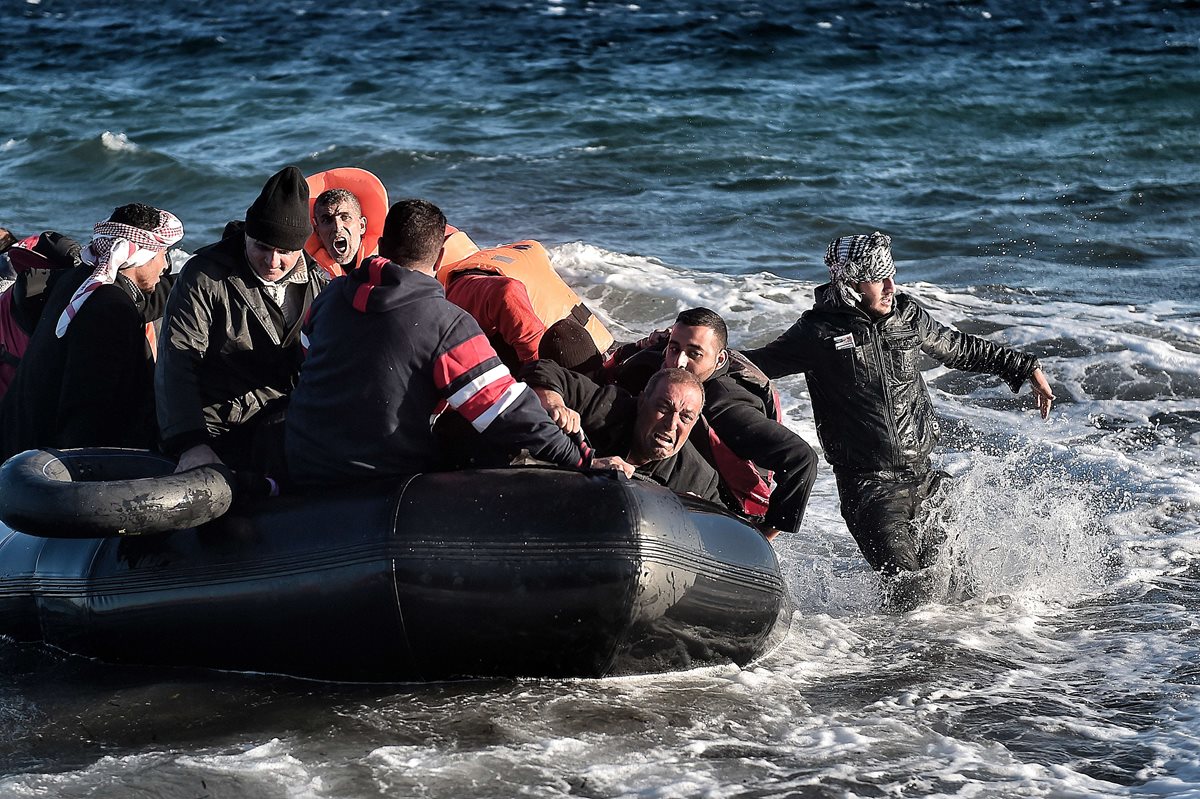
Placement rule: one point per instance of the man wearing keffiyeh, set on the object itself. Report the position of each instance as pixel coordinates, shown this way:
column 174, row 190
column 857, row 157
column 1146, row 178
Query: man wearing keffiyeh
column 859, row 349
column 86, row 377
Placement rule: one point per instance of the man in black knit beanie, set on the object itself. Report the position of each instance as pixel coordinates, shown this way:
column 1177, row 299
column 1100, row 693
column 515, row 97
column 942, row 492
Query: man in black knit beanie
column 231, row 341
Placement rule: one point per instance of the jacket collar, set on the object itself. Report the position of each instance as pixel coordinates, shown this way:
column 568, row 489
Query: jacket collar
column 246, row 283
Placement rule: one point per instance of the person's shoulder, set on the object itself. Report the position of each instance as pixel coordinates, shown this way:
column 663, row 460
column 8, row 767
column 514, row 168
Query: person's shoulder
column 722, row 392
column 212, row 262
column 907, row 303
column 109, row 306
column 428, row 300
column 816, row 319
column 908, row 309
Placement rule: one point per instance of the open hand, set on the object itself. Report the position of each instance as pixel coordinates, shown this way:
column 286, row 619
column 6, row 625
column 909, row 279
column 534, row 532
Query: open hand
column 1041, row 392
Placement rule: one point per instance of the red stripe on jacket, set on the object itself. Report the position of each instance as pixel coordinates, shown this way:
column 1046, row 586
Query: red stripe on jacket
column 487, row 396
column 361, row 295
column 458, row 360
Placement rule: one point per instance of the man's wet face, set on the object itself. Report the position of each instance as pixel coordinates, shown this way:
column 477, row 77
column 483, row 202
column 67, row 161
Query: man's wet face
column 665, row 418
column 340, row 226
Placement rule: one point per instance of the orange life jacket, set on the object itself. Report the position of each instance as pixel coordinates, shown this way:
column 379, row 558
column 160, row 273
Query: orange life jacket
column 457, row 246
column 551, row 298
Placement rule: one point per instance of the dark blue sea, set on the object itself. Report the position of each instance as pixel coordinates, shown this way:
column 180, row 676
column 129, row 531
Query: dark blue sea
column 1037, row 166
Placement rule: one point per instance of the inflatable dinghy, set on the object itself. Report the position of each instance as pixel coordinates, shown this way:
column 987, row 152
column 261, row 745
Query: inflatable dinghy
column 523, row 572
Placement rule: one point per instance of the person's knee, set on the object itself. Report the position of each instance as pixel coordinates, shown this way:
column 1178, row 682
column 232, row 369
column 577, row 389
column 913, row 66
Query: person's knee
column 900, row 552
column 808, row 462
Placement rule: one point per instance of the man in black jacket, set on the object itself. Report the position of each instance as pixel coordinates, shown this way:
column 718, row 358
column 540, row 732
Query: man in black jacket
column 858, row 350
column 767, row 471
column 231, row 345
column 86, row 378
column 649, row 431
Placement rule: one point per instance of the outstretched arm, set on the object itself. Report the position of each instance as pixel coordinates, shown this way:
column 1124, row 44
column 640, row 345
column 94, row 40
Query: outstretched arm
column 788, row 354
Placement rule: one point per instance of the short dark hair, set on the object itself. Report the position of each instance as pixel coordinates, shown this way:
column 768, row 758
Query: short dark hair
column 703, row 317
column 674, row 376
column 334, row 196
column 137, row 215
column 413, row 233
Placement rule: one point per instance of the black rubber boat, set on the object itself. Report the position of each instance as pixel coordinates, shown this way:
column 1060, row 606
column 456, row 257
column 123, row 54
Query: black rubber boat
column 515, row 572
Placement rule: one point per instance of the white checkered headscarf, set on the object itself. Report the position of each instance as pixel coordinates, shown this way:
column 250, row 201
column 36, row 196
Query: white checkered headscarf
column 857, row 259
column 116, row 246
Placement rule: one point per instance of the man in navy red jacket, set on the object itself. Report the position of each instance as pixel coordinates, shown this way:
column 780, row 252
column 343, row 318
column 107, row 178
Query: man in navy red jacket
column 386, row 353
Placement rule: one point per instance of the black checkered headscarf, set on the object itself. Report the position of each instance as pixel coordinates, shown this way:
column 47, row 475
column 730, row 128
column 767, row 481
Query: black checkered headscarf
column 857, row 259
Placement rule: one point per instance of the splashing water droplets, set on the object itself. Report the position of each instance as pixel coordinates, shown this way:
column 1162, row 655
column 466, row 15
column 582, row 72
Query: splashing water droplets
column 1020, row 529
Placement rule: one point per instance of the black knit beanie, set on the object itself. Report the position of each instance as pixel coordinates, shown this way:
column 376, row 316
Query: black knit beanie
column 571, row 346
column 280, row 217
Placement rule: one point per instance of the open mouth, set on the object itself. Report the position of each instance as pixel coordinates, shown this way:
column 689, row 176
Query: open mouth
column 664, row 440
column 340, row 245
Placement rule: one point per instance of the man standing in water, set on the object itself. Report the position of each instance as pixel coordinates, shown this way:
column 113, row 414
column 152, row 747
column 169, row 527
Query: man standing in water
column 858, row 348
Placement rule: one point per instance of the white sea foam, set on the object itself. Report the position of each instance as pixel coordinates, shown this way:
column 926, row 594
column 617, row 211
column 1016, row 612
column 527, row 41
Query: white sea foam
column 117, row 142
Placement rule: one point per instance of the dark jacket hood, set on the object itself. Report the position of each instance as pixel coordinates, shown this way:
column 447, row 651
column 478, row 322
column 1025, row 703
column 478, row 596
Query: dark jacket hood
column 379, row 285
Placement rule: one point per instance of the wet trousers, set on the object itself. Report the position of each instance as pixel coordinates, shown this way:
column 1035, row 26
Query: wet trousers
column 883, row 512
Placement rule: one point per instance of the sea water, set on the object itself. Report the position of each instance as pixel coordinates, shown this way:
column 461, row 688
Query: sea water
column 1036, row 166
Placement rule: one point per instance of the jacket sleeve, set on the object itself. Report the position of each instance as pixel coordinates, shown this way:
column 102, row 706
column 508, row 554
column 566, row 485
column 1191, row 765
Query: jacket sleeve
column 787, row 355
column 580, row 393
column 471, row 378
column 606, row 412
column 751, row 435
column 971, row 353
column 182, row 346
column 501, row 304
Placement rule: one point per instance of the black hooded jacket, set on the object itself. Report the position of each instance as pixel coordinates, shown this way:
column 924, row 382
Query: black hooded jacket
column 871, row 406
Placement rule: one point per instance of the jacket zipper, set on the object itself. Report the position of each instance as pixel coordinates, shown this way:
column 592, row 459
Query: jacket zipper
column 877, row 342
